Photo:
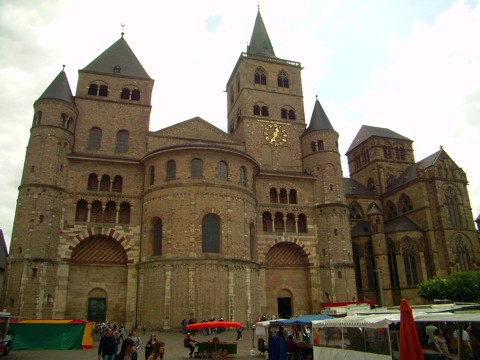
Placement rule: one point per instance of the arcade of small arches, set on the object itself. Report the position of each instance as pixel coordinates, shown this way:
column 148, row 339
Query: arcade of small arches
column 104, row 183
column 64, row 120
column 281, row 223
column 127, row 93
column 96, row 212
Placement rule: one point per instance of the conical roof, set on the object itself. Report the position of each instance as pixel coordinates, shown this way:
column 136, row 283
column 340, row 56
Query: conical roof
column 319, row 120
column 59, row 89
column 118, row 59
column 260, row 42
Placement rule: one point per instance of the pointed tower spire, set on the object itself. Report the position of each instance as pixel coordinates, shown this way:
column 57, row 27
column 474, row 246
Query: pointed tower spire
column 59, row 89
column 260, row 42
column 118, row 59
column 319, row 120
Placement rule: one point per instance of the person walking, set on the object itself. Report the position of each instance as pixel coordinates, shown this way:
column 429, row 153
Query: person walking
column 149, row 346
column 126, row 352
column 108, row 346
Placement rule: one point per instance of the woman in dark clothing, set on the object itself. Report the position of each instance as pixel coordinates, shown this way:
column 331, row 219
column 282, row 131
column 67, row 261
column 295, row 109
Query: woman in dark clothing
column 126, row 352
column 149, row 345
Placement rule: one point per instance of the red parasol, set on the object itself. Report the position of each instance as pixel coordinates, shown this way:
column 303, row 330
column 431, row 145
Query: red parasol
column 410, row 347
column 214, row 324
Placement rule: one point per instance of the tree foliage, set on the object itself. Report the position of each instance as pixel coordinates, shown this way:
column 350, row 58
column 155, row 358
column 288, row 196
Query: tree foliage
column 459, row 286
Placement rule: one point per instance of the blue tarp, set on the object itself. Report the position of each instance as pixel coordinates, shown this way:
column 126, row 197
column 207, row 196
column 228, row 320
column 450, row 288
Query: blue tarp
column 300, row 320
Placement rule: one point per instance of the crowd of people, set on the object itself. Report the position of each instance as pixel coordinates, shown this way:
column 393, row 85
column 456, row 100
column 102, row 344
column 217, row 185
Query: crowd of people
column 446, row 342
column 115, row 346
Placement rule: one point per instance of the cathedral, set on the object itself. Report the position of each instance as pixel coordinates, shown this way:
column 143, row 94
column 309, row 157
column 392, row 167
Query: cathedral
column 116, row 221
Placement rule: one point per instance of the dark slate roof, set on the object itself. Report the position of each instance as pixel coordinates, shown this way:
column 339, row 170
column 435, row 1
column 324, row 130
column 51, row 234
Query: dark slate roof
column 319, row 120
column 59, row 89
column 367, row 132
column 411, row 174
column 401, row 223
column 361, row 229
column 353, row 187
column 260, row 42
column 118, row 54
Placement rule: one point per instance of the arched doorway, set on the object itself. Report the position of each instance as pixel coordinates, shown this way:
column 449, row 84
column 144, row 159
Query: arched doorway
column 284, row 304
column 97, row 305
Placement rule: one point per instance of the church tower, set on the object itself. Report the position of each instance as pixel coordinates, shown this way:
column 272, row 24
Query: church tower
column 33, row 260
column 265, row 103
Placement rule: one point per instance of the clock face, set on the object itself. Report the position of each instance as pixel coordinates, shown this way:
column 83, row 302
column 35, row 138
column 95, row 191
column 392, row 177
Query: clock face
column 275, row 134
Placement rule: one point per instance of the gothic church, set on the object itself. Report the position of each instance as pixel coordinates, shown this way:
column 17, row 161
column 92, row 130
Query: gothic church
column 115, row 221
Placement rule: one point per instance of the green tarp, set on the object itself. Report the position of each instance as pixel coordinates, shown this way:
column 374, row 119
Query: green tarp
column 47, row 336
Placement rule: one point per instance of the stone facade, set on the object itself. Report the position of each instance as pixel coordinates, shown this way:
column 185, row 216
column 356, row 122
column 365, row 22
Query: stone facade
column 117, row 222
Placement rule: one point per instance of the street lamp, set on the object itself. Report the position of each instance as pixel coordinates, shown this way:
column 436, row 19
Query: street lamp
column 380, row 287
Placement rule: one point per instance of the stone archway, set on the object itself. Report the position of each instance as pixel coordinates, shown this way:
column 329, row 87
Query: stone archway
column 287, row 272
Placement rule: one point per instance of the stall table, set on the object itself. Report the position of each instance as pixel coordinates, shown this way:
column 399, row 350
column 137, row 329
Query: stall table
column 210, row 349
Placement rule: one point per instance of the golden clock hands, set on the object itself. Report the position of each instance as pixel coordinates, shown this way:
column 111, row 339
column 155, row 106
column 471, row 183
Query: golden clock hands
column 275, row 134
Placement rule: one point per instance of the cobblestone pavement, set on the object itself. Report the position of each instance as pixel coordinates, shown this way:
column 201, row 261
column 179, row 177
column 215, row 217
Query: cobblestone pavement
column 174, row 349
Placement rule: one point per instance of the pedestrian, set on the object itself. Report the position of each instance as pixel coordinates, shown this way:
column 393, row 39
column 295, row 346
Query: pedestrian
column 158, row 350
column 136, row 343
column 144, row 328
column 108, row 346
column 239, row 333
column 126, row 352
column 188, row 342
column 121, row 334
column 149, row 346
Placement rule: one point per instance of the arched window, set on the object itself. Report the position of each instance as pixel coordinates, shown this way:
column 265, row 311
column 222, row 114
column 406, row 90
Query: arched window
column 152, row 175
column 290, row 225
column 110, row 214
column 273, row 196
column 392, row 264
column 96, row 214
column 320, row 145
column 453, row 209
column 282, row 79
column 463, row 258
column 105, row 183
column 93, row 89
column 63, row 122
column 37, row 118
column 291, row 115
column 124, row 215
column 256, row 110
column 171, row 170
column 103, row 90
column 355, row 211
column 267, row 222
column 260, row 76
column 196, row 169
column 243, row 176
column 157, row 237
column 284, row 113
column 125, row 94
column 121, row 144
column 81, row 211
column 404, row 204
column 210, row 234
column 356, row 264
column 292, row 196
column 135, row 95
column 283, row 196
column 117, row 185
column 408, row 253
column 391, row 210
column 264, row 110
column 92, row 184
column 222, row 170
column 302, row 223
column 390, row 180
column 314, row 146
column 94, row 138
column 370, row 267
column 279, row 223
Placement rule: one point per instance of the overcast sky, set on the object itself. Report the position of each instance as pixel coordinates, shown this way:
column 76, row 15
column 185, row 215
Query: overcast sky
column 412, row 66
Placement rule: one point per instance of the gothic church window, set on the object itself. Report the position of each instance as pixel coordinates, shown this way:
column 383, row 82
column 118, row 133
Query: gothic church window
column 92, row 184
column 392, row 264
column 171, row 170
column 124, row 214
column 370, row 267
column 196, row 169
column 356, row 263
column 210, row 234
column 453, row 209
column 157, row 237
column 462, row 258
column 408, row 254
column 355, row 211
column 81, row 211
column 117, row 185
column 94, row 138
column 260, row 76
column 222, row 170
column 405, row 203
column 391, row 210
column 282, row 79
column 121, row 143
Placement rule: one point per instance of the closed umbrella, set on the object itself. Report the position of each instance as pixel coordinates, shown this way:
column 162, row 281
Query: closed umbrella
column 410, row 348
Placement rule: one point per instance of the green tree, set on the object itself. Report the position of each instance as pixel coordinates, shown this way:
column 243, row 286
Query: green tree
column 459, row 286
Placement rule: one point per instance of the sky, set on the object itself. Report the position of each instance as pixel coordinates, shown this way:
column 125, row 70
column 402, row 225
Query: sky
column 410, row 66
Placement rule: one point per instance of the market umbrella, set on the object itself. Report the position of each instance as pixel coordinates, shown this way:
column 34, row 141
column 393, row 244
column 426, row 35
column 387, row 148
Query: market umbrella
column 410, row 347
column 214, row 325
